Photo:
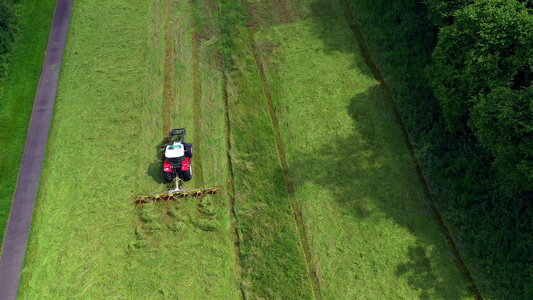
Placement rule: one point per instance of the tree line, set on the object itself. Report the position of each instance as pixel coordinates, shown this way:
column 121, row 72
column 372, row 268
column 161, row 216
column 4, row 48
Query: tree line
column 9, row 12
column 481, row 76
column 460, row 73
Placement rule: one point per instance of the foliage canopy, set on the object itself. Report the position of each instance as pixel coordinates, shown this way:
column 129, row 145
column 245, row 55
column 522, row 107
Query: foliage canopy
column 503, row 123
column 482, row 50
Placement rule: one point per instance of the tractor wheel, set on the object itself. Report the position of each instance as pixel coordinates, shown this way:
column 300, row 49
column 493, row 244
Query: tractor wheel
column 167, row 177
column 188, row 150
column 187, row 175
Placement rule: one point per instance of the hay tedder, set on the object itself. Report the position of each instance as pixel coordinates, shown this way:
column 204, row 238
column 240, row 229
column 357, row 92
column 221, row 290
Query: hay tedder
column 176, row 170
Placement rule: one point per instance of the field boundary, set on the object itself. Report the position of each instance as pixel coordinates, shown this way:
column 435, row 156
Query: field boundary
column 20, row 217
column 387, row 95
column 286, row 173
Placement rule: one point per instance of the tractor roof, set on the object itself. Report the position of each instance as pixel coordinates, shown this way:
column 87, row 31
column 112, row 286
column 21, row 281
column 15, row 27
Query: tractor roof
column 176, row 150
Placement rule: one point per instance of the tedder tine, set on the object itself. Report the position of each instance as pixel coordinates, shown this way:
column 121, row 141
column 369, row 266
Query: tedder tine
column 141, row 199
column 157, row 196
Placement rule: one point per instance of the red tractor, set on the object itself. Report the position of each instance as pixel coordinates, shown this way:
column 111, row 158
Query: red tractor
column 177, row 157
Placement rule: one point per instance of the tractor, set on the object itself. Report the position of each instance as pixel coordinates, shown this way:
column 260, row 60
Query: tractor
column 177, row 157
column 176, row 167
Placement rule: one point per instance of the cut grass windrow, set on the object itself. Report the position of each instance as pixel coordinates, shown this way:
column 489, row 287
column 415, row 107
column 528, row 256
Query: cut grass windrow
column 273, row 262
column 197, row 96
column 387, row 95
column 168, row 88
column 230, row 190
column 272, row 257
column 288, row 178
column 210, row 97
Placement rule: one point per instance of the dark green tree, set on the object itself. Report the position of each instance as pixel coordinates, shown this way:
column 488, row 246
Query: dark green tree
column 7, row 22
column 503, row 122
column 440, row 12
column 489, row 45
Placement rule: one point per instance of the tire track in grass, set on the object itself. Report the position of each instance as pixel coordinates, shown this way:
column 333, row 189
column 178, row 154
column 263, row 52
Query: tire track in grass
column 168, row 89
column 386, row 93
column 288, row 178
column 230, row 190
column 197, row 97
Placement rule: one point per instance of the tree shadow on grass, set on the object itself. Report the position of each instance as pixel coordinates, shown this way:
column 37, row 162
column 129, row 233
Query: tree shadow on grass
column 328, row 23
column 155, row 168
column 400, row 24
column 370, row 175
column 419, row 273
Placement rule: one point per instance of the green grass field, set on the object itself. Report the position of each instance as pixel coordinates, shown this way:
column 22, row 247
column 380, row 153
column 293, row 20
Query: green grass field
column 290, row 123
column 371, row 230
column 17, row 93
column 88, row 239
column 272, row 256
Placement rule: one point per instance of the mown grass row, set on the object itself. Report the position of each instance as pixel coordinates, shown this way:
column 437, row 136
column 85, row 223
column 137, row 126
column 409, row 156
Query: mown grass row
column 371, row 231
column 17, row 93
column 88, row 239
column 272, row 255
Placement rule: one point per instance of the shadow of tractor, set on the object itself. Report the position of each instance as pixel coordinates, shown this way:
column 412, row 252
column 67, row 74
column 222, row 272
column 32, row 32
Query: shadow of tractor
column 155, row 168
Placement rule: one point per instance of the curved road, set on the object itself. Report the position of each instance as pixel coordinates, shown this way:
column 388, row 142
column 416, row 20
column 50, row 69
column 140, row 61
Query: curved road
column 18, row 226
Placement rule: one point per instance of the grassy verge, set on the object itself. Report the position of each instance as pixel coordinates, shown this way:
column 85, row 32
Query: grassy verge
column 272, row 255
column 88, row 239
column 18, row 93
column 371, row 231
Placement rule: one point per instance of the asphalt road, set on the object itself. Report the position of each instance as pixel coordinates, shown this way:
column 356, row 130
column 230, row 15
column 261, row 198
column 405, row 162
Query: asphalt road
column 18, row 226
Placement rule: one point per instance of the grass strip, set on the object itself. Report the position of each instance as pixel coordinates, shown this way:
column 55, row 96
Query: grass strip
column 401, row 39
column 371, row 230
column 288, row 178
column 18, row 93
column 272, row 255
column 213, row 86
column 387, row 95
column 231, row 187
column 168, row 87
column 197, row 95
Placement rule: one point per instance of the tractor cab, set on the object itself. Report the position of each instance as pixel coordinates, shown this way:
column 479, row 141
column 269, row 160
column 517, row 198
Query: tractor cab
column 176, row 150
